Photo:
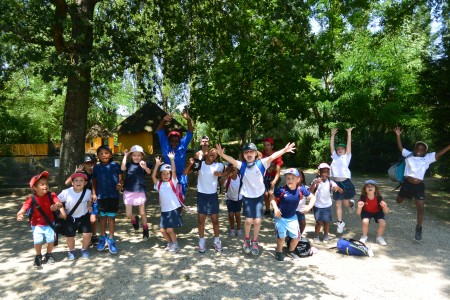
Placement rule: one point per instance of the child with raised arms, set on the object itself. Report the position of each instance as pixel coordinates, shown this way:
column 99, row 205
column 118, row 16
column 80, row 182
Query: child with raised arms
column 253, row 188
column 168, row 200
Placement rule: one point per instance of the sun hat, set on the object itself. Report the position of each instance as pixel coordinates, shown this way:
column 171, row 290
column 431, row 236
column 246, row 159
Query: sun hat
column 35, row 179
column 324, row 166
column 137, row 148
column 292, row 171
column 78, row 174
column 249, row 146
column 165, row 167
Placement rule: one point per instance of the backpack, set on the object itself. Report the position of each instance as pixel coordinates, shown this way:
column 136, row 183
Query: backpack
column 352, row 247
column 303, row 248
column 396, row 171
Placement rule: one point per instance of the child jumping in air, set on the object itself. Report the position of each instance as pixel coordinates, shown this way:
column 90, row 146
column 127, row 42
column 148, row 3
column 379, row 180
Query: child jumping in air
column 371, row 205
column 207, row 197
column 341, row 155
column 323, row 187
column 417, row 163
column 252, row 170
column 168, row 200
column 232, row 181
column 134, row 187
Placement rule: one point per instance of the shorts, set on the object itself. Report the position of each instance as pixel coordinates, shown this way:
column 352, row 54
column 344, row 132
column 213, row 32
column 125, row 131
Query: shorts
column 107, row 214
column 108, row 205
column 322, row 214
column 234, row 206
column 287, row 226
column 72, row 225
column 94, row 208
column 42, row 234
column 349, row 190
column 207, row 204
column 171, row 219
column 376, row 216
column 409, row 190
column 134, row 198
column 253, row 207
column 300, row 216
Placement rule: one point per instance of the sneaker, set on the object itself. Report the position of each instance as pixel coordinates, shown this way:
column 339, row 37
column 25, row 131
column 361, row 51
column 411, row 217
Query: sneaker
column 201, row 247
column 239, row 233
column 111, row 246
column 101, row 243
column 94, row 239
column 85, row 254
column 418, row 236
column 71, row 255
column 174, row 248
column 293, row 255
column 352, row 206
column 381, row 241
column 255, row 248
column 145, row 233
column 49, row 259
column 38, row 261
column 326, row 239
column 246, row 246
column 136, row 222
column 279, row 256
column 232, row 233
column 218, row 246
column 316, row 240
column 169, row 245
column 363, row 239
column 340, row 226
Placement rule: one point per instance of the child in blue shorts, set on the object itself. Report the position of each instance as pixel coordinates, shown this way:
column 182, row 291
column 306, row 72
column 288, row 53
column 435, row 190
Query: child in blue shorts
column 107, row 181
column 323, row 187
column 232, row 181
column 285, row 201
column 168, row 200
column 41, row 229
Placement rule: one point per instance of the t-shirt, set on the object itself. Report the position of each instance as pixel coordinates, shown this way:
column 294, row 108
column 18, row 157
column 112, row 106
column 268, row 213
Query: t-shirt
column 135, row 177
column 339, row 165
column 416, row 166
column 253, row 180
column 323, row 194
column 107, row 178
column 44, row 202
column 180, row 151
column 207, row 181
column 167, row 198
column 288, row 202
column 233, row 189
column 69, row 197
column 272, row 169
column 371, row 205
column 306, row 194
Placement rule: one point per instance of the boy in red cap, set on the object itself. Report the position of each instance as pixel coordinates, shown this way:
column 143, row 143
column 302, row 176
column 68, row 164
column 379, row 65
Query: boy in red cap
column 272, row 174
column 40, row 227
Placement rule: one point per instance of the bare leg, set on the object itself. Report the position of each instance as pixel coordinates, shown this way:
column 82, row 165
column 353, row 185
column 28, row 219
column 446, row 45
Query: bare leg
column 339, row 210
column 381, row 227
column 201, row 225
column 420, row 208
column 365, row 226
column 143, row 214
column 111, row 226
column 215, row 223
column 256, row 228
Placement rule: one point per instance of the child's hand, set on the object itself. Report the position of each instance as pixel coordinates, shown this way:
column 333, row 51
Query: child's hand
column 277, row 213
column 186, row 115
column 79, row 168
column 349, row 130
column 290, row 147
column 125, row 152
column 143, row 164
column 119, row 187
column 318, row 180
column 361, row 204
column 305, row 209
column 383, row 205
column 191, row 161
column 168, row 118
column 19, row 217
column 216, row 173
column 158, row 161
column 220, row 150
column 93, row 218
column 334, row 131
column 398, row 131
column 171, row 155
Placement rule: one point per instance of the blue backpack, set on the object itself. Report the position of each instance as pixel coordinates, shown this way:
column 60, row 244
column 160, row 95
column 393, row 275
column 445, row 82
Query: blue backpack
column 351, row 247
column 396, row 171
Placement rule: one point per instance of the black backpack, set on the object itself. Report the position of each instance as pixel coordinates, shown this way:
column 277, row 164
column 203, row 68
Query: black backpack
column 303, row 247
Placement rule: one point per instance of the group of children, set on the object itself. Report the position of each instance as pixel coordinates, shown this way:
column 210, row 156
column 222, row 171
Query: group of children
column 96, row 189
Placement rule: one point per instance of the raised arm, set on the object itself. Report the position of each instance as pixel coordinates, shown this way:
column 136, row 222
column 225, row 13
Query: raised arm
column 171, row 156
column 123, row 166
column 77, row 170
column 333, row 135
column 442, row 152
column 167, row 118
column 158, row 163
column 189, row 121
column 228, row 158
column 290, row 147
column 188, row 169
column 398, row 133
column 349, row 140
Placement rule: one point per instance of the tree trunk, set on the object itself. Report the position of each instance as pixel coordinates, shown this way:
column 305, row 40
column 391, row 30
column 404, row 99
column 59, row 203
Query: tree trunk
column 78, row 88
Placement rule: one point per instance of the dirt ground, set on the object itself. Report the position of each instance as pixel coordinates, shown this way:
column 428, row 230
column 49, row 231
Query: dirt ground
column 142, row 270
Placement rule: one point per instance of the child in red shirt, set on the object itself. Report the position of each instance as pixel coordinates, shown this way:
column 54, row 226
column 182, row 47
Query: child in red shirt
column 372, row 205
column 42, row 231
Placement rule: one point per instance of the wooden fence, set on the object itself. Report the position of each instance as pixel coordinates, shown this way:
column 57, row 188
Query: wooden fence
column 24, row 150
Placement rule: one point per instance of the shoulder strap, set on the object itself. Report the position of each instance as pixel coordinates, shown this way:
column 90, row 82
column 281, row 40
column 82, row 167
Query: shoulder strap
column 281, row 195
column 175, row 192
column 78, row 203
column 243, row 167
column 261, row 167
column 227, row 184
column 159, row 185
column 47, row 219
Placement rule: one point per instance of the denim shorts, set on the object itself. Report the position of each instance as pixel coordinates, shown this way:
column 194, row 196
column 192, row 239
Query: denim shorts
column 234, row 206
column 349, row 190
column 322, row 214
column 207, row 204
column 42, row 234
column 171, row 219
column 253, row 207
column 287, row 226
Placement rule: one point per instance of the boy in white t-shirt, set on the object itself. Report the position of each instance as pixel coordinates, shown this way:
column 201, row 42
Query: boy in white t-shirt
column 168, row 200
column 416, row 166
column 207, row 197
column 232, row 181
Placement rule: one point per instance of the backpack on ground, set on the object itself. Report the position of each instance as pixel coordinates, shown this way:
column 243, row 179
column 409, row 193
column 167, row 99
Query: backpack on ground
column 352, row 247
column 303, row 248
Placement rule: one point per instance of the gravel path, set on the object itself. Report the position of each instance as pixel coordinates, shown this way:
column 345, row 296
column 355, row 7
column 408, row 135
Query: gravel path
column 142, row 270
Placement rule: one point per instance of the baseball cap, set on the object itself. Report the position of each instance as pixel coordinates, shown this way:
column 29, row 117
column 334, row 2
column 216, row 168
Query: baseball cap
column 423, row 143
column 292, row 171
column 176, row 133
column 103, row 147
column 165, row 167
column 137, row 148
column 341, row 145
column 34, row 179
column 78, row 174
column 88, row 159
column 205, row 137
column 324, row 166
column 269, row 140
column 371, row 181
column 249, row 146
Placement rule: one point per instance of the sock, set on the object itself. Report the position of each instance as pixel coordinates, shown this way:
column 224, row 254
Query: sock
column 202, row 240
column 255, row 240
column 216, row 239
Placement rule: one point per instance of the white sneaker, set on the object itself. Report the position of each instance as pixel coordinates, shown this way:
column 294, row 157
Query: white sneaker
column 218, row 246
column 174, row 248
column 381, row 241
column 316, row 240
column 202, row 247
column 169, row 245
column 340, row 227
column 231, row 233
column 363, row 239
column 326, row 239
